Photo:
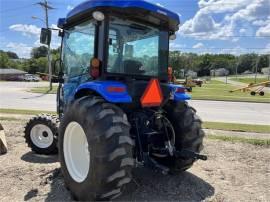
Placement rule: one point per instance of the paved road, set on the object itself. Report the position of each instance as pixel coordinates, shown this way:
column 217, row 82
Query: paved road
column 14, row 95
column 233, row 112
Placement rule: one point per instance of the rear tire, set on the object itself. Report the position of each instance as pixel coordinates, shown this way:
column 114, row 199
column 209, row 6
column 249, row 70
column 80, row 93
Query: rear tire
column 188, row 132
column 41, row 134
column 106, row 131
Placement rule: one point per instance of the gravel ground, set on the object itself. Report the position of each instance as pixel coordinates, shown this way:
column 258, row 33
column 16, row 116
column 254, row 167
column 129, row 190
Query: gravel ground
column 234, row 172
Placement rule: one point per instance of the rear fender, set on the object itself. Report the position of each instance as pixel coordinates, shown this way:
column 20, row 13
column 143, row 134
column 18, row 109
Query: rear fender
column 103, row 88
column 178, row 96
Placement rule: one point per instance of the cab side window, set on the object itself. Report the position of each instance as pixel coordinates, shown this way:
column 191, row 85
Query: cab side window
column 78, row 49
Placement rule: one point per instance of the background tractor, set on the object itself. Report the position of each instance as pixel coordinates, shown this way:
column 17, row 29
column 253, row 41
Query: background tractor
column 116, row 106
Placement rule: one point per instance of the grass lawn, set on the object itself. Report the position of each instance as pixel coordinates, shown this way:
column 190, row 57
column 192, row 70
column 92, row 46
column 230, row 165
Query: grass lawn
column 249, row 80
column 258, row 142
column 44, row 90
column 237, row 127
column 208, row 125
column 9, row 119
column 217, row 90
column 24, row 111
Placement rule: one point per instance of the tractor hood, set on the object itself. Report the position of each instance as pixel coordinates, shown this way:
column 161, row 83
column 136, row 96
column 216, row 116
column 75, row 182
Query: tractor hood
column 132, row 7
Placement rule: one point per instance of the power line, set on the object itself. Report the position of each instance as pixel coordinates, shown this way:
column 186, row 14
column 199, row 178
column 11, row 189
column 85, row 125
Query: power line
column 170, row 4
column 228, row 36
column 45, row 5
column 231, row 48
column 16, row 9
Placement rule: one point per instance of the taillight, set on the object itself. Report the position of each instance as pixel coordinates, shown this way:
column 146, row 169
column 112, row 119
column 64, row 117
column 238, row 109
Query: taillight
column 94, row 68
column 114, row 89
column 180, row 90
column 170, row 74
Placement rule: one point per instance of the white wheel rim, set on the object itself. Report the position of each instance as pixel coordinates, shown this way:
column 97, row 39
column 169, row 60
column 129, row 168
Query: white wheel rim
column 41, row 136
column 76, row 152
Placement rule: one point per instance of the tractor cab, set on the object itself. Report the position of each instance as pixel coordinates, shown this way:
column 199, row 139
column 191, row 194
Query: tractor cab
column 124, row 43
column 129, row 38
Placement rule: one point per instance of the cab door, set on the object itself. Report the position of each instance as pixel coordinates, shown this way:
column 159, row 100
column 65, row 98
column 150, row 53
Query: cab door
column 77, row 52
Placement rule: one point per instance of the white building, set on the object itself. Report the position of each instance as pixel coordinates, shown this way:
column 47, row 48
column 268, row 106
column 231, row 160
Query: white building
column 191, row 74
column 219, row 72
column 266, row 70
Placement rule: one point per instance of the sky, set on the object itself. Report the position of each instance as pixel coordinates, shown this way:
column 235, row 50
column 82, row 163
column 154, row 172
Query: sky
column 207, row 26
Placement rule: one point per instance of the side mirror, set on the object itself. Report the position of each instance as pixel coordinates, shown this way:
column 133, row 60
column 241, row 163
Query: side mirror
column 45, row 36
column 57, row 71
column 172, row 37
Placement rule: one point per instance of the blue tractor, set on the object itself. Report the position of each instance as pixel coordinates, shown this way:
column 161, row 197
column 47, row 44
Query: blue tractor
column 117, row 107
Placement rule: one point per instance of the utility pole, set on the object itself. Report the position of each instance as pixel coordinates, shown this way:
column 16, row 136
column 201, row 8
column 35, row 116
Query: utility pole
column 46, row 7
column 236, row 69
column 269, row 68
column 237, row 64
column 256, row 70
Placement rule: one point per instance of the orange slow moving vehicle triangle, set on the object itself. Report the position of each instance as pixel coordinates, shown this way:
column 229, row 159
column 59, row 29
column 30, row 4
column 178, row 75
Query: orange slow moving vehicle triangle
column 152, row 96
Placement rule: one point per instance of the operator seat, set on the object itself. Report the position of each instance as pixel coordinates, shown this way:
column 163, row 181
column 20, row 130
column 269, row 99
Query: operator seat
column 133, row 67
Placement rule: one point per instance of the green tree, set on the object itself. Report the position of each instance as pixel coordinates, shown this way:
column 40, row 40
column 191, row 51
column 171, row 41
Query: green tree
column 263, row 62
column 38, row 52
column 13, row 64
column 247, row 62
column 36, row 65
column 204, row 65
column 3, row 60
column 55, row 51
column 12, row 55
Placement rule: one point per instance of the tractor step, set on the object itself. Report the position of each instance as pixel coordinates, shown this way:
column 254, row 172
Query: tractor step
column 186, row 154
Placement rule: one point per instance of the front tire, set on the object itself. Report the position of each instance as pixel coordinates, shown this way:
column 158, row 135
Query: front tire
column 41, row 134
column 188, row 132
column 95, row 149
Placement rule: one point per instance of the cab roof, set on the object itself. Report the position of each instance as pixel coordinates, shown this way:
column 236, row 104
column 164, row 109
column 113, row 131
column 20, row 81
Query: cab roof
column 121, row 4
